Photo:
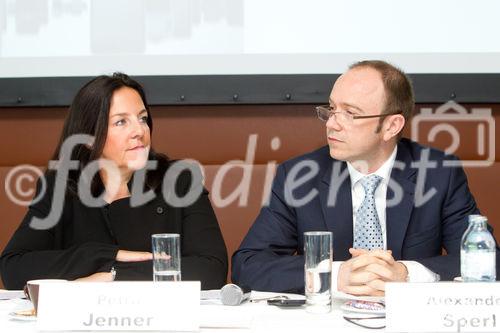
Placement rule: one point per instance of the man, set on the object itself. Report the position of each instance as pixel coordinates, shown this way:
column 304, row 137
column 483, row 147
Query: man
column 392, row 204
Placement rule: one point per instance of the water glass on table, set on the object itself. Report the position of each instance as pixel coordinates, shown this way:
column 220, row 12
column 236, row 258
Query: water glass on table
column 166, row 257
column 318, row 271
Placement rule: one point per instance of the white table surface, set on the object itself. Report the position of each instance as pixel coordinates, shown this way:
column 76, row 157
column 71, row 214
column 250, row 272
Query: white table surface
column 248, row 317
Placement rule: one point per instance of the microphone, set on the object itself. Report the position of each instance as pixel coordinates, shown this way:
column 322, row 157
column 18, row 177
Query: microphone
column 232, row 294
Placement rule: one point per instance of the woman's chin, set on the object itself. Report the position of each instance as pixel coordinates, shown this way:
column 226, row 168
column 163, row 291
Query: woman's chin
column 138, row 160
column 137, row 164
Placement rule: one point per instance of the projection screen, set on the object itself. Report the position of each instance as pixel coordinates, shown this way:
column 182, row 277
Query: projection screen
column 245, row 51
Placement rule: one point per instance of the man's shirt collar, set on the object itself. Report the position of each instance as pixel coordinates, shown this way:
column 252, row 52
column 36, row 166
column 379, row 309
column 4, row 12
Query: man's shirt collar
column 384, row 171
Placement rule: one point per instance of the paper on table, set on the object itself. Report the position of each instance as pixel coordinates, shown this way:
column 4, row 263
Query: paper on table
column 11, row 294
column 216, row 316
column 342, row 296
column 210, row 294
column 210, row 297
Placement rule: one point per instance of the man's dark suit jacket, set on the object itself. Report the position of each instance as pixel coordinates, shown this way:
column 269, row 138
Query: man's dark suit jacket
column 270, row 258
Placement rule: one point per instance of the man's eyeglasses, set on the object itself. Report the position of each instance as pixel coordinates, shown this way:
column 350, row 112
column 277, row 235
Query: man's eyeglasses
column 325, row 112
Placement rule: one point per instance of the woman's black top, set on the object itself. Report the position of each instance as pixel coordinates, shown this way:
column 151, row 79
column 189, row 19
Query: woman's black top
column 85, row 240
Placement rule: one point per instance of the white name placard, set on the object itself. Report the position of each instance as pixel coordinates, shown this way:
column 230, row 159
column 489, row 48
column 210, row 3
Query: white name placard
column 442, row 307
column 119, row 306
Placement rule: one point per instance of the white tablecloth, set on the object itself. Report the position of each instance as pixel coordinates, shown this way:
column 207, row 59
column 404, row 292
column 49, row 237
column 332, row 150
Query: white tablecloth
column 248, row 317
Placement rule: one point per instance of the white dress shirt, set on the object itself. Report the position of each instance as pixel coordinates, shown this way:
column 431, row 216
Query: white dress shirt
column 416, row 271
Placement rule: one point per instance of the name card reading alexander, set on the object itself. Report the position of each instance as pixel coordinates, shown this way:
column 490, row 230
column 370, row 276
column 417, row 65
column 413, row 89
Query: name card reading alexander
column 119, row 306
column 442, row 307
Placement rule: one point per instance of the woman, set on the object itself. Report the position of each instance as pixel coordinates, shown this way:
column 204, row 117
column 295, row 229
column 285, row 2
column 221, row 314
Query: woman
column 113, row 240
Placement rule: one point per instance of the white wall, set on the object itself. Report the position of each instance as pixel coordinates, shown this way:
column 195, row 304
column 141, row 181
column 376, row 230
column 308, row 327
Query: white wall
column 180, row 37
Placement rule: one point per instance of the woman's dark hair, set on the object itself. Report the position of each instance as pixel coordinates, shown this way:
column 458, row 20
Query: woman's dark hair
column 88, row 114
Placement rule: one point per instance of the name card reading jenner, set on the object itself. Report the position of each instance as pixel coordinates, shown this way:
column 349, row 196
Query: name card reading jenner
column 443, row 307
column 119, row 306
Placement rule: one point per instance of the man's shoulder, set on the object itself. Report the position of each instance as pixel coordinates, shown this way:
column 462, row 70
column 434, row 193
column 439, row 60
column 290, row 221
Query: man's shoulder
column 415, row 151
column 321, row 156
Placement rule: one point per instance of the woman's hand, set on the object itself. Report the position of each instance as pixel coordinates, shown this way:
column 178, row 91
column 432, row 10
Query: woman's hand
column 132, row 256
column 123, row 256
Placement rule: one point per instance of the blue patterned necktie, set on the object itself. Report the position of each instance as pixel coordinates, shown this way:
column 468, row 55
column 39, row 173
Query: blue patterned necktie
column 367, row 231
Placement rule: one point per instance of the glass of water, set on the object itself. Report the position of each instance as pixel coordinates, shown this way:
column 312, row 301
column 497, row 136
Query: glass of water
column 166, row 257
column 318, row 271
